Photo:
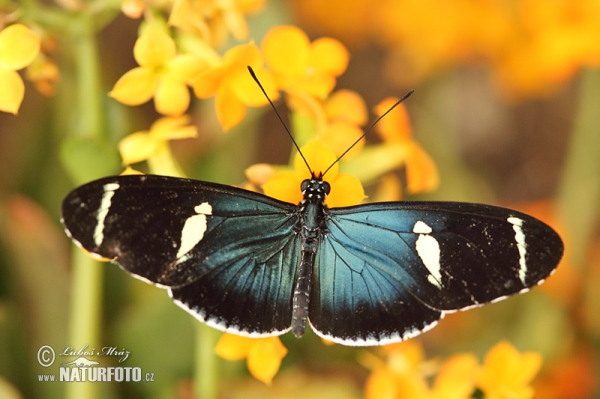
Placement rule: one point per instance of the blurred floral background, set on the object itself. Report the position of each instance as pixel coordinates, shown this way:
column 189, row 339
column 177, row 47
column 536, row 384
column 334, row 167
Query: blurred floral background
column 504, row 112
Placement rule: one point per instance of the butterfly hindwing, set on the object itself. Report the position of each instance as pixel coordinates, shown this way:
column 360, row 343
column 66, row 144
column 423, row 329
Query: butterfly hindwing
column 227, row 255
column 387, row 271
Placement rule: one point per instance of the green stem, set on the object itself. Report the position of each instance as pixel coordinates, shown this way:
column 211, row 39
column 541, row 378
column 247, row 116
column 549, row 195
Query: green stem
column 579, row 192
column 206, row 374
column 86, row 309
column 87, row 276
column 89, row 93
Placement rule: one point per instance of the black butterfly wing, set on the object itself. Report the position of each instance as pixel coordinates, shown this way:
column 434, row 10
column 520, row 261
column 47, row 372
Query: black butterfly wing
column 388, row 271
column 227, row 255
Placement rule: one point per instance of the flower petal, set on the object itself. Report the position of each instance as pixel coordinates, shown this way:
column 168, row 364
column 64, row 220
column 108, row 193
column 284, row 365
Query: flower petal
column 264, row 358
column 421, row 172
column 171, row 98
column 286, row 50
column 230, row 110
column 340, row 136
column 507, row 373
column 187, row 16
column 185, row 67
column 135, row 87
column 381, row 385
column 346, row 190
column 319, row 85
column 329, row 56
column 173, row 128
column 233, row 347
column 44, row 73
column 12, row 92
column 243, row 55
column 456, row 378
column 347, row 105
column 137, row 147
column 260, row 173
column 284, row 186
column 248, row 92
column 207, row 83
column 154, row 48
column 319, row 157
column 395, row 126
column 19, row 45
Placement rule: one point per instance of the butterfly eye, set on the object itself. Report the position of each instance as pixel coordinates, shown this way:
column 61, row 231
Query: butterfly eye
column 326, row 188
column 305, row 185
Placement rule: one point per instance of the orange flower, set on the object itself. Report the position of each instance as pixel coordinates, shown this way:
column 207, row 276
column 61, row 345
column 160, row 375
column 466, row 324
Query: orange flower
column 398, row 149
column 574, row 376
column 162, row 74
column 506, row 373
column 346, row 189
column 421, row 172
column 233, row 86
column 44, row 73
column 302, row 66
column 263, row 355
column 18, row 48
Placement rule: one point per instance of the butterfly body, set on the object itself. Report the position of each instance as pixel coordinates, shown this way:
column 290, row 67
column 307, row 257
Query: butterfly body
column 369, row 274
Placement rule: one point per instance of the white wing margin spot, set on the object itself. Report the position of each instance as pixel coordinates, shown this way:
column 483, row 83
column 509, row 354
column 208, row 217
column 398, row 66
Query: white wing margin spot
column 109, row 192
column 521, row 245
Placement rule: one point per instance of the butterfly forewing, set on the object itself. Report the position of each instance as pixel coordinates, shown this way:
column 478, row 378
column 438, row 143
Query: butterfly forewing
column 387, row 271
column 227, row 255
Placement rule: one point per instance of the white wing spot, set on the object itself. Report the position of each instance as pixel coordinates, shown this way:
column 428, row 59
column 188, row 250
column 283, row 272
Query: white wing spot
column 521, row 245
column 194, row 229
column 422, row 228
column 428, row 250
column 109, row 191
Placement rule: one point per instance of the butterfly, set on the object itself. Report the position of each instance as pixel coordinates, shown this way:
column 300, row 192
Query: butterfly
column 362, row 275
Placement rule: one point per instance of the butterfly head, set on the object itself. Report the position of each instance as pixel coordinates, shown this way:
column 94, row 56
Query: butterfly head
column 315, row 189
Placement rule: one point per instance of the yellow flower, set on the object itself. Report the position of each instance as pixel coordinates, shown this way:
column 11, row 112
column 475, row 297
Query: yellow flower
column 336, row 121
column 233, row 86
column 507, row 374
column 346, row 189
column 399, row 375
column 456, row 377
column 18, row 48
column 162, row 74
column 213, row 19
column 263, row 355
column 153, row 145
column 302, row 66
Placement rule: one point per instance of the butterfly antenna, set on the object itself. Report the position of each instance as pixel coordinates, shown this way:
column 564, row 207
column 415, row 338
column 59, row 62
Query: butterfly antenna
column 369, row 129
column 279, row 116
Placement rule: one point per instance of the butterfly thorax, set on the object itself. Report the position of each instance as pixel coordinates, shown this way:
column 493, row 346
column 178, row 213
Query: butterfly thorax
column 312, row 210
